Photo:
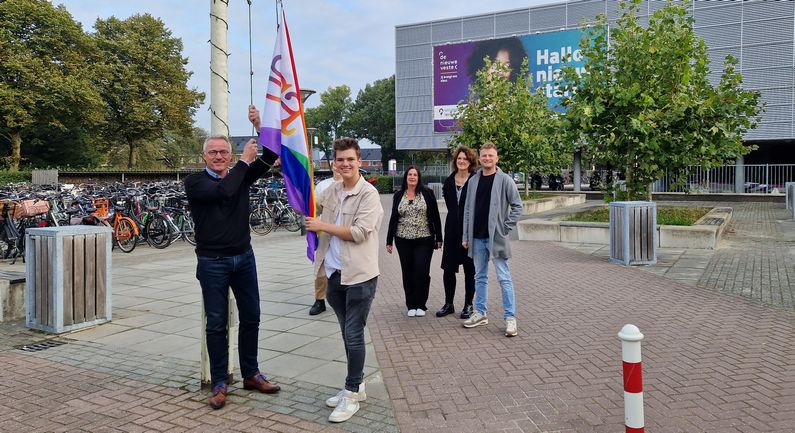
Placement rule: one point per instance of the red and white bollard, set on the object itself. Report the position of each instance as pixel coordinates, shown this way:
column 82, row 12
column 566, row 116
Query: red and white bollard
column 633, row 380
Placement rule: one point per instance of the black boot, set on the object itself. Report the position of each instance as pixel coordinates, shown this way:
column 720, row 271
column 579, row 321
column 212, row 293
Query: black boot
column 466, row 313
column 445, row 310
column 318, row 307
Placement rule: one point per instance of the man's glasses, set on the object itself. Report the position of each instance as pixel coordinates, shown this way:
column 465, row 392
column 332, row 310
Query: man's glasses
column 215, row 153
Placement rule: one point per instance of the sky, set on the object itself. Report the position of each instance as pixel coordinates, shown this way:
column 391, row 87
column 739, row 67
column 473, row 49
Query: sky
column 335, row 42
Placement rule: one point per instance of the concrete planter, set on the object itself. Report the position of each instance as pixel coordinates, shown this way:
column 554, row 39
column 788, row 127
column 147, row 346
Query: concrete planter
column 530, row 207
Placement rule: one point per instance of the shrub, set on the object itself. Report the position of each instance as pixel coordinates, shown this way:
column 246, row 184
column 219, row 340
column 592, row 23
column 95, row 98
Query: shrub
column 7, row 177
column 383, row 184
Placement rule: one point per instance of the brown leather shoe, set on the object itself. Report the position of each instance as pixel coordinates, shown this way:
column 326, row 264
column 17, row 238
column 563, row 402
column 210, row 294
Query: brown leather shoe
column 218, row 400
column 261, row 384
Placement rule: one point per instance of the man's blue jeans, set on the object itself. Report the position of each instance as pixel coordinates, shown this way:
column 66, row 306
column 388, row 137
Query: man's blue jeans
column 351, row 304
column 216, row 275
column 481, row 256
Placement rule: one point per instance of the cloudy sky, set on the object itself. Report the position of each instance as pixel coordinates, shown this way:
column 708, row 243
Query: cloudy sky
column 335, row 42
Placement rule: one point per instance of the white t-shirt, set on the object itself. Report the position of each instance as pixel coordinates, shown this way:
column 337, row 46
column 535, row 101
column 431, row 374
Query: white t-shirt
column 333, row 257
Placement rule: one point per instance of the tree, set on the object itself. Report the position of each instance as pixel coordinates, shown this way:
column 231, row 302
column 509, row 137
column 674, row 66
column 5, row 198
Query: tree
column 329, row 117
column 512, row 116
column 46, row 77
column 372, row 116
column 144, row 83
column 646, row 104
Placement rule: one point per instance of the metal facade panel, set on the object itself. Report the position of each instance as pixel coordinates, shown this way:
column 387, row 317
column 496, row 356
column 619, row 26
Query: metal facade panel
column 654, row 6
column 478, row 28
column 769, row 130
column 768, row 77
column 718, row 57
column 446, row 31
column 413, row 87
column 442, row 141
column 414, row 68
column 413, row 35
column 414, row 142
column 548, row 18
column 778, row 113
column 413, row 103
column 764, row 9
column 587, row 10
column 412, row 117
column 763, row 32
column 414, row 52
column 720, row 36
column 781, row 95
column 763, row 55
column 713, row 13
column 416, row 130
column 512, row 23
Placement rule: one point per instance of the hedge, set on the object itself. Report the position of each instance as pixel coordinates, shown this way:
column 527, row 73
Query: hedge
column 382, row 183
column 7, row 177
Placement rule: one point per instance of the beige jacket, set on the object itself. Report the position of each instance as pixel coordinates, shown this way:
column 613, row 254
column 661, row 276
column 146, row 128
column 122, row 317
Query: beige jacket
column 362, row 212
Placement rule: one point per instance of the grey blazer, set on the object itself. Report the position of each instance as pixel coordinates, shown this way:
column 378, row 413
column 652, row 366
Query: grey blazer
column 504, row 210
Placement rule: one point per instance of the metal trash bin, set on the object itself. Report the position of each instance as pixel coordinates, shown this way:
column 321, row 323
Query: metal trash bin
column 633, row 232
column 437, row 189
column 68, row 277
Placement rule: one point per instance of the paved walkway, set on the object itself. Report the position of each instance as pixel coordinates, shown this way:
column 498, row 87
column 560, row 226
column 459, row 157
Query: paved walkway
column 712, row 362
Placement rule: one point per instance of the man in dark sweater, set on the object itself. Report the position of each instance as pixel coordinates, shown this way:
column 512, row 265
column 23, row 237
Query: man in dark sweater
column 219, row 203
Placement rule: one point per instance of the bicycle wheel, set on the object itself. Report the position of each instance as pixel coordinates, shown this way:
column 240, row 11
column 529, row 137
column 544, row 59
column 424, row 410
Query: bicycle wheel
column 261, row 221
column 158, row 233
column 124, row 235
column 290, row 220
column 187, row 229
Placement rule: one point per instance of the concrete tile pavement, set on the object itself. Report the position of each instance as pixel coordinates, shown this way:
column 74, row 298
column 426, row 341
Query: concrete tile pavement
column 712, row 362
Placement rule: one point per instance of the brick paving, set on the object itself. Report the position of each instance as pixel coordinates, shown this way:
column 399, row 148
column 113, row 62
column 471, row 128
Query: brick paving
column 713, row 362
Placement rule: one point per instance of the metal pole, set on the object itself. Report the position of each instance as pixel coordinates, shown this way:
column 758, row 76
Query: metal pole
column 633, row 379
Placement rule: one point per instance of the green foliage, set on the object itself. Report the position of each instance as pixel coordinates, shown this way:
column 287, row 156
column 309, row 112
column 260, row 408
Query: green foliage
column 382, row 183
column 647, row 105
column 372, row 116
column 7, row 177
column 46, row 75
column 329, row 117
column 144, row 85
column 513, row 117
column 669, row 216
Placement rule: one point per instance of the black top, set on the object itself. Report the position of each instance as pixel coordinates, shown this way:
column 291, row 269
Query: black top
column 453, row 254
column 220, row 207
column 434, row 220
column 480, row 223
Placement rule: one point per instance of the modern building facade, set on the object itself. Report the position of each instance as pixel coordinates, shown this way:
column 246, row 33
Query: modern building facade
column 759, row 33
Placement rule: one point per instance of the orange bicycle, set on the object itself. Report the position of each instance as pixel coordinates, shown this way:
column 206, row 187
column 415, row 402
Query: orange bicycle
column 125, row 230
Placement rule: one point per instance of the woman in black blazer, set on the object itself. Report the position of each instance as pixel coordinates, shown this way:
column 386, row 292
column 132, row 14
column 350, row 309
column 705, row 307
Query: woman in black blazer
column 416, row 228
column 455, row 192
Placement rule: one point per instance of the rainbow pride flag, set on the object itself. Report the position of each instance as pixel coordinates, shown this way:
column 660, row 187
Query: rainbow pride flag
column 283, row 130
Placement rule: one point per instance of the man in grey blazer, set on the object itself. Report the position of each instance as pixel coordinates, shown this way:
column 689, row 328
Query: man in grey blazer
column 492, row 208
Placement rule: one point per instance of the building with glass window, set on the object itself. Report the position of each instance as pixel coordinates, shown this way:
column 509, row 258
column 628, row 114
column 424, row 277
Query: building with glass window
column 430, row 60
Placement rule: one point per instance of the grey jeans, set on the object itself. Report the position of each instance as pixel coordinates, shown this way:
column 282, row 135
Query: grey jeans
column 351, row 304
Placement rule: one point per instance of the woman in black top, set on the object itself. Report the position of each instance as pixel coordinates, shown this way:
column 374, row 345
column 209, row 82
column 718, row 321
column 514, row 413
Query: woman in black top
column 455, row 192
column 416, row 228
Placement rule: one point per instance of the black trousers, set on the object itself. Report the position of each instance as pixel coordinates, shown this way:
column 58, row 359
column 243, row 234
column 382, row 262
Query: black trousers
column 415, row 264
column 449, row 278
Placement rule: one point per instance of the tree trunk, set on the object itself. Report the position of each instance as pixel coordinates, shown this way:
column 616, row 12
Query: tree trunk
column 16, row 151
column 131, row 156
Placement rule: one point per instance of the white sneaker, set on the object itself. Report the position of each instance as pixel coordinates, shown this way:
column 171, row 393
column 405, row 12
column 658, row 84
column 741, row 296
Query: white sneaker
column 476, row 319
column 346, row 408
column 510, row 327
column 412, row 313
column 334, row 401
column 420, row 312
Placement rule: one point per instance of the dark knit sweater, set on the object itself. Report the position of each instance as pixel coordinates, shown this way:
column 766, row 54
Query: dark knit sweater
column 220, row 207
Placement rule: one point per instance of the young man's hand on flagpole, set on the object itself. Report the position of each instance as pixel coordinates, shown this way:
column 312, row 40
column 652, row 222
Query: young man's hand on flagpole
column 254, row 118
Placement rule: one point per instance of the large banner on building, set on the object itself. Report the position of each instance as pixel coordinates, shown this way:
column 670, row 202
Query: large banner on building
column 455, row 66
